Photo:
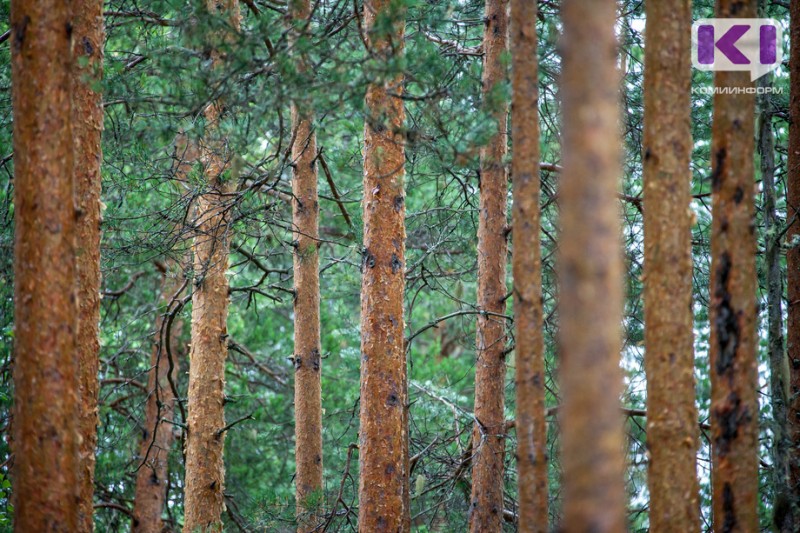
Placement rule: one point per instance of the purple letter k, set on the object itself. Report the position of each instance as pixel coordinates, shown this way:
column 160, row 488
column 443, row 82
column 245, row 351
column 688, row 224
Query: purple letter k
column 726, row 44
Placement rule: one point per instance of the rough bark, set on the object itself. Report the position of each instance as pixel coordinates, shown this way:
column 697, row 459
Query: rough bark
column 88, row 37
column 307, row 350
column 793, row 265
column 154, row 449
column 531, row 424
column 672, row 431
column 205, row 468
column 734, row 378
column 383, row 435
column 486, row 509
column 46, row 415
column 591, row 272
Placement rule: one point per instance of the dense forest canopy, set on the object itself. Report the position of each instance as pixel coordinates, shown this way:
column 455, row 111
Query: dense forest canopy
column 312, row 209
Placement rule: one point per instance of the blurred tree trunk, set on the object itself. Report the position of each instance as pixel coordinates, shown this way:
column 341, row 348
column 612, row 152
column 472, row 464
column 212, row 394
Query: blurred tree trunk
column 307, row 350
column 151, row 478
column 793, row 266
column 488, row 436
column 591, row 271
column 205, row 468
column 778, row 369
column 531, row 426
column 672, row 431
column 383, row 437
column 734, row 376
column 88, row 38
column 47, row 409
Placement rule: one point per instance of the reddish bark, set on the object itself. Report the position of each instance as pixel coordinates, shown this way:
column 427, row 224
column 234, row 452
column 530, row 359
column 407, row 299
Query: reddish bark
column 591, row 272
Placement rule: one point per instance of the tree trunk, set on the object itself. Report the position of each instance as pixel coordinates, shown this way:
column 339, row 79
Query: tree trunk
column 793, row 266
column 591, row 272
column 88, row 38
column 486, row 509
column 307, row 350
column 672, row 431
column 734, row 377
column 46, row 417
column 778, row 370
column 531, row 424
column 383, row 435
column 205, row 468
column 151, row 478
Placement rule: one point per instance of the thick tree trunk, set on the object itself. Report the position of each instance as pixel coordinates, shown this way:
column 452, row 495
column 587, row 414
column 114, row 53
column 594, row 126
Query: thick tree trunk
column 734, row 376
column 793, row 265
column 46, row 417
column 307, row 359
column 488, row 436
column 672, row 431
column 383, row 435
column 531, row 424
column 205, row 468
column 591, row 272
column 88, row 37
column 151, row 478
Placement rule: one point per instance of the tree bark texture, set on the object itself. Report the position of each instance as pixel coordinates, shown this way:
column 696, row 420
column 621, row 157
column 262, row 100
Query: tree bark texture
column 383, row 436
column 734, row 376
column 46, row 413
column 205, row 468
column 590, row 271
column 793, row 264
column 672, row 430
column 531, row 424
column 307, row 349
column 488, row 436
column 88, row 36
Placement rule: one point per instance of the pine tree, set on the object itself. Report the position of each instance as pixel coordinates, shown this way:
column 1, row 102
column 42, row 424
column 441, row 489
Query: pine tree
column 46, row 416
column 531, row 426
column 383, row 435
column 590, row 270
column 672, row 431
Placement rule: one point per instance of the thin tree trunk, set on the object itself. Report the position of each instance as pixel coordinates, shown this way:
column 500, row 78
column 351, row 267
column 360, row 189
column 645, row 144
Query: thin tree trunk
column 307, row 359
column 734, row 376
column 46, row 417
column 591, row 272
column 531, row 424
column 672, row 431
column 383, row 435
column 793, row 266
column 156, row 443
column 778, row 375
column 205, row 468
column 486, row 509
column 88, row 37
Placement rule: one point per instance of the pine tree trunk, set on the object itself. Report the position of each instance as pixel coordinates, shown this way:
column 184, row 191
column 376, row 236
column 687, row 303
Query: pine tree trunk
column 531, row 426
column 46, row 415
column 778, row 370
column 591, row 272
column 205, row 468
column 88, row 38
column 734, row 376
column 383, row 435
column 793, row 266
column 488, row 436
column 307, row 350
column 672, row 431
column 156, row 443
